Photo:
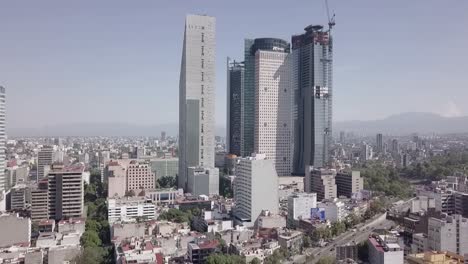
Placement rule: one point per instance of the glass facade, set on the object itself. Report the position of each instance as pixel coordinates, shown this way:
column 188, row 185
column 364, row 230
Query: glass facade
column 248, row 94
column 234, row 106
column 312, row 54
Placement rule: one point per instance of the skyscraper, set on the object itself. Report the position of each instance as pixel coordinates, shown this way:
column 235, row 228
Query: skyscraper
column 273, row 103
column 197, row 96
column 312, row 55
column 379, row 144
column 235, row 83
column 2, row 139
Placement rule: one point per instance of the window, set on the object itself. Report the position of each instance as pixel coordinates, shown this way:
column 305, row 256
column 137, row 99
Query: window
column 202, row 89
column 202, row 50
column 202, row 102
column 202, row 130
column 202, row 63
column 202, row 76
column 202, row 115
column 202, row 37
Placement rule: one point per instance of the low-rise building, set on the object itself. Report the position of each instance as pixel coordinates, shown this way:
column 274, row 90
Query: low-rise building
column 164, row 196
column 198, row 251
column 291, row 240
column 435, row 257
column 384, row 249
column 138, row 251
column 335, row 210
column 126, row 208
column 320, row 181
column 299, row 206
column 14, row 230
column 346, row 252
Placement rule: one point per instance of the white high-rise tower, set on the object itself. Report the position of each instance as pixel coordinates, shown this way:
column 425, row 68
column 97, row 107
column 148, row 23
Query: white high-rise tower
column 197, row 96
column 2, row 139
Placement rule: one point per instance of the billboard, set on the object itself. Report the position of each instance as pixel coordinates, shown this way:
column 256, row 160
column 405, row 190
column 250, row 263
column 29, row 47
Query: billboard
column 317, row 214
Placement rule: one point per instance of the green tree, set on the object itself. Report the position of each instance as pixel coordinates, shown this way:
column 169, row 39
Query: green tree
column 326, row 260
column 306, row 241
column 224, row 259
column 90, row 239
column 167, row 182
column 90, row 255
column 255, row 261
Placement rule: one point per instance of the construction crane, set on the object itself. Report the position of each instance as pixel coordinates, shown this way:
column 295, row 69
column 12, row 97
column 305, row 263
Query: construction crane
column 331, row 20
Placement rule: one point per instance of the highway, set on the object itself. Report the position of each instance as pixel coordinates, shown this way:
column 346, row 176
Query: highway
column 359, row 236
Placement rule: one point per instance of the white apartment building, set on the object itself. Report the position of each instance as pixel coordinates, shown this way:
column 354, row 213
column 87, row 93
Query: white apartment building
column 335, row 210
column 2, row 139
column 121, row 209
column 197, row 96
column 299, row 205
column 203, row 181
column 448, row 234
column 384, row 249
column 273, row 108
column 256, row 188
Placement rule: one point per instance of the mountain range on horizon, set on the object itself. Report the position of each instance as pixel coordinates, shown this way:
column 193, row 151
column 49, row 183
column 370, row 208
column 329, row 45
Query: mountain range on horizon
column 399, row 124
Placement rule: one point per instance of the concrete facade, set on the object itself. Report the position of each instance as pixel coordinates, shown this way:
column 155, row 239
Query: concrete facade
column 197, row 96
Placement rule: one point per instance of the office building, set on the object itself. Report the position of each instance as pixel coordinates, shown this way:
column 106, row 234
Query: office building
column 44, row 160
column 395, row 146
column 235, row 84
column 139, row 176
column 126, row 208
column 342, row 137
column 312, row 56
column 384, row 249
column 19, row 196
column 273, row 103
column 165, row 167
column 163, row 136
column 379, row 143
column 322, row 182
column 449, row 233
column 65, row 191
column 366, row 152
column 14, row 230
column 256, row 179
column 197, row 96
column 348, row 183
column 2, row 139
column 203, row 181
column 40, row 201
column 299, row 205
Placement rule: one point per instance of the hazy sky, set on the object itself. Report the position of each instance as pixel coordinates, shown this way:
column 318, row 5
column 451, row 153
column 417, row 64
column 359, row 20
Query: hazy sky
column 119, row 61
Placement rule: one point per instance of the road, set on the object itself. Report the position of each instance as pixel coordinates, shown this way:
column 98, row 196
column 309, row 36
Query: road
column 359, row 236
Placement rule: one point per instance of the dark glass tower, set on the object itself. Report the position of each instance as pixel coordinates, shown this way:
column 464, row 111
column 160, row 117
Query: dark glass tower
column 312, row 69
column 235, row 83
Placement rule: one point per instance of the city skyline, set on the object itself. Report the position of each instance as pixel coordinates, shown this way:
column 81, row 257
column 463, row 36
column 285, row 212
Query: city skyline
column 45, row 64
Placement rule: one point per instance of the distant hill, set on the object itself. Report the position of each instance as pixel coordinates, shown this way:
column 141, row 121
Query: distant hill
column 100, row 129
column 407, row 123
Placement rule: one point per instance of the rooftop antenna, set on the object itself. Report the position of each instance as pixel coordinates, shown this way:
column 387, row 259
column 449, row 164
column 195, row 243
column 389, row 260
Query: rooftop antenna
column 331, row 20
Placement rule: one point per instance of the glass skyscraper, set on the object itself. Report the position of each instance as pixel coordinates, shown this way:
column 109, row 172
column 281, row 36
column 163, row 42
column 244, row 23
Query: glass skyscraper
column 2, row 139
column 235, row 84
column 312, row 54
